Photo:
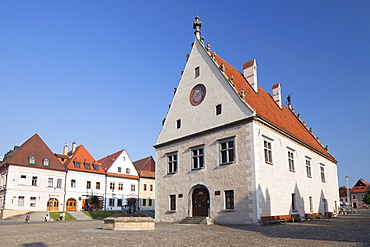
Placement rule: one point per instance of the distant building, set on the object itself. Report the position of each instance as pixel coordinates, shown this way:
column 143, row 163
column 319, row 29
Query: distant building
column 85, row 178
column 122, row 181
column 230, row 151
column 31, row 179
column 146, row 170
column 357, row 193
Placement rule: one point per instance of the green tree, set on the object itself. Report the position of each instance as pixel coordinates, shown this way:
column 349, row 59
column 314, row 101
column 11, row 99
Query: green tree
column 367, row 198
column 93, row 200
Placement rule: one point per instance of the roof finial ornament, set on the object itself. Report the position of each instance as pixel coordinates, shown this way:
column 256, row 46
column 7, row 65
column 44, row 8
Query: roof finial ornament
column 289, row 101
column 197, row 25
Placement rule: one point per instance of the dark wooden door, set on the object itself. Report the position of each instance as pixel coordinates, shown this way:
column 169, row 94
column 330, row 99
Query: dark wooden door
column 200, row 202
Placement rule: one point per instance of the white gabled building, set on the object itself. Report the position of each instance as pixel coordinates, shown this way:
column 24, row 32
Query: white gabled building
column 121, row 181
column 31, row 179
column 85, row 177
column 230, row 151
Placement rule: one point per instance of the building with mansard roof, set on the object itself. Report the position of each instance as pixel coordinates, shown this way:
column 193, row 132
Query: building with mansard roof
column 232, row 152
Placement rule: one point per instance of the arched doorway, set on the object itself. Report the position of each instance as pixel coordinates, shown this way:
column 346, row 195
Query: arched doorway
column 53, row 205
column 71, row 204
column 200, row 201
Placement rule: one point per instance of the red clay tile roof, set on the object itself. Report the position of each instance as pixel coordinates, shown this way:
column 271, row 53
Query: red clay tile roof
column 34, row 146
column 83, row 156
column 122, row 175
column 361, row 186
column 108, row 161
column 145, row 164
column 267, row 109
column 147, row 174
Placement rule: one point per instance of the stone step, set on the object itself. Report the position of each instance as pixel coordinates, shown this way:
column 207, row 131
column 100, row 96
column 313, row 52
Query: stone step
column 193, row 220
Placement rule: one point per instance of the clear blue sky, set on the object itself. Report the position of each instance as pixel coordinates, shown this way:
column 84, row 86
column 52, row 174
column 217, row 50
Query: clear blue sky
column 102, row 73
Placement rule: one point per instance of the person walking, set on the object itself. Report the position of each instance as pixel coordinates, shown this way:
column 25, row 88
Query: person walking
column 47, row 217
column 28, row 217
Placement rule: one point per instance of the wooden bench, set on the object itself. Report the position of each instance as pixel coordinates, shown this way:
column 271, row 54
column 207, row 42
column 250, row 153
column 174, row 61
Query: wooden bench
column 296, row 217
column 267, row 220
column 328, row 214
column 312, row 216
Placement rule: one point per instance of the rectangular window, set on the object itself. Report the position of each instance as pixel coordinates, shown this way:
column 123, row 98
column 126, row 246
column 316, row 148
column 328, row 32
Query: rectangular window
column 50, row 182
column 144, row 202
column 23, row 180
column 229, row 199
column 112, row 185
column 59, row 183
column 119, row 202
column 88, row 184
column 151, row 187
column 96, row 167
column 73, row 183
column 119, row 169
column 197, row 158
column 20, row 201
column 172, row 202
column 132, row 187
column 77, row 164
column 218, row 109
column 97, row 185
column 178, row 123
column 127, row 170
column 172, row 162
column 267, row 145
column 322, row 171
column 34, row 181
column 144, row 187
column 293, row 202
column 227, row 151
column 87, row 166
column 197, row 72
column 111, row 202
column 311, row 205
column 32, row 201
column 150, row 202
column 308, row 167
column 120, row 186
column 291, row 160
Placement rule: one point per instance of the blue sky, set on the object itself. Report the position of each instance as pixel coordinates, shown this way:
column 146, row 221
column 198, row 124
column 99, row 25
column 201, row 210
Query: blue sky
column 102, row 73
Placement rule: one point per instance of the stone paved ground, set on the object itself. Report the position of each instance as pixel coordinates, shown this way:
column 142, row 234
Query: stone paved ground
column 349, row 230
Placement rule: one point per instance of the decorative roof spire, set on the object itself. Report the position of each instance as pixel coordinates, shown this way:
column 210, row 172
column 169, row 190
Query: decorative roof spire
column 197, row 25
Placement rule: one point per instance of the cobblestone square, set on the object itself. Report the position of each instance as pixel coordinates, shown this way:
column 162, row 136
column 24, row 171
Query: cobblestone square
column 348, row 230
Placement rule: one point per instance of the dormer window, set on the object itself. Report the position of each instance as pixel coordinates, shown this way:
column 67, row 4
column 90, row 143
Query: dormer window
column 77, row 164
column 45, row 162
column 96, row 167
column 32, row 160
column 87, row 166
column 196, row 72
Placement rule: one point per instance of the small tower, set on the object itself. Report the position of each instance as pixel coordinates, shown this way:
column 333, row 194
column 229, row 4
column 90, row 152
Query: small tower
column 197, row 25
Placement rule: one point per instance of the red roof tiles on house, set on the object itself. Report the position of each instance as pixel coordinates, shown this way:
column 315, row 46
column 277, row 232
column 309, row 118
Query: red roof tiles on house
column 108, row 161
column 33, row 146
column 82, row 156
column 267, row 109
column 146, row 167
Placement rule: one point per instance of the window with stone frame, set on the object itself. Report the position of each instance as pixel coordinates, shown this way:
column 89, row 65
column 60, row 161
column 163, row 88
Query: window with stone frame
column 227, row 151
column 73, row 183
column 88, row 184
column 120, row 186
column 34, row 181
column 112, row 185
column 322, row 172
column 50, row 182
column 172, row 163
column 229, row 199
column 97, row 185
column 291, row 153
column 59, row 183
column 197, row 157
column 172, row 202
column 308, row 167
column 267, row 147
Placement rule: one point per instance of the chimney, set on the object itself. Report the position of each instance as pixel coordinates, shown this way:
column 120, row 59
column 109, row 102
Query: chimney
column 65, row 149
column 276, row 94
column 73, row 147
column 250, row 73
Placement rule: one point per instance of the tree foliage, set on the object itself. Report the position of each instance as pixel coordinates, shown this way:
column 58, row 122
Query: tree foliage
column 367, row 198
column 93, row 200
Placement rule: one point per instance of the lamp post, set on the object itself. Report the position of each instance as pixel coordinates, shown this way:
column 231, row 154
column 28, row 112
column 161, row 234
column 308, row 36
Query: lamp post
column 138, row 190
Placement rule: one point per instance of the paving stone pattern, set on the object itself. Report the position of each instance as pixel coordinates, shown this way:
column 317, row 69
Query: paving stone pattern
column 348, row 230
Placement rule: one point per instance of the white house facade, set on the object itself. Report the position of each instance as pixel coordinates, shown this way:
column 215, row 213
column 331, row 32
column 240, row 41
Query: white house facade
column 230, row 151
